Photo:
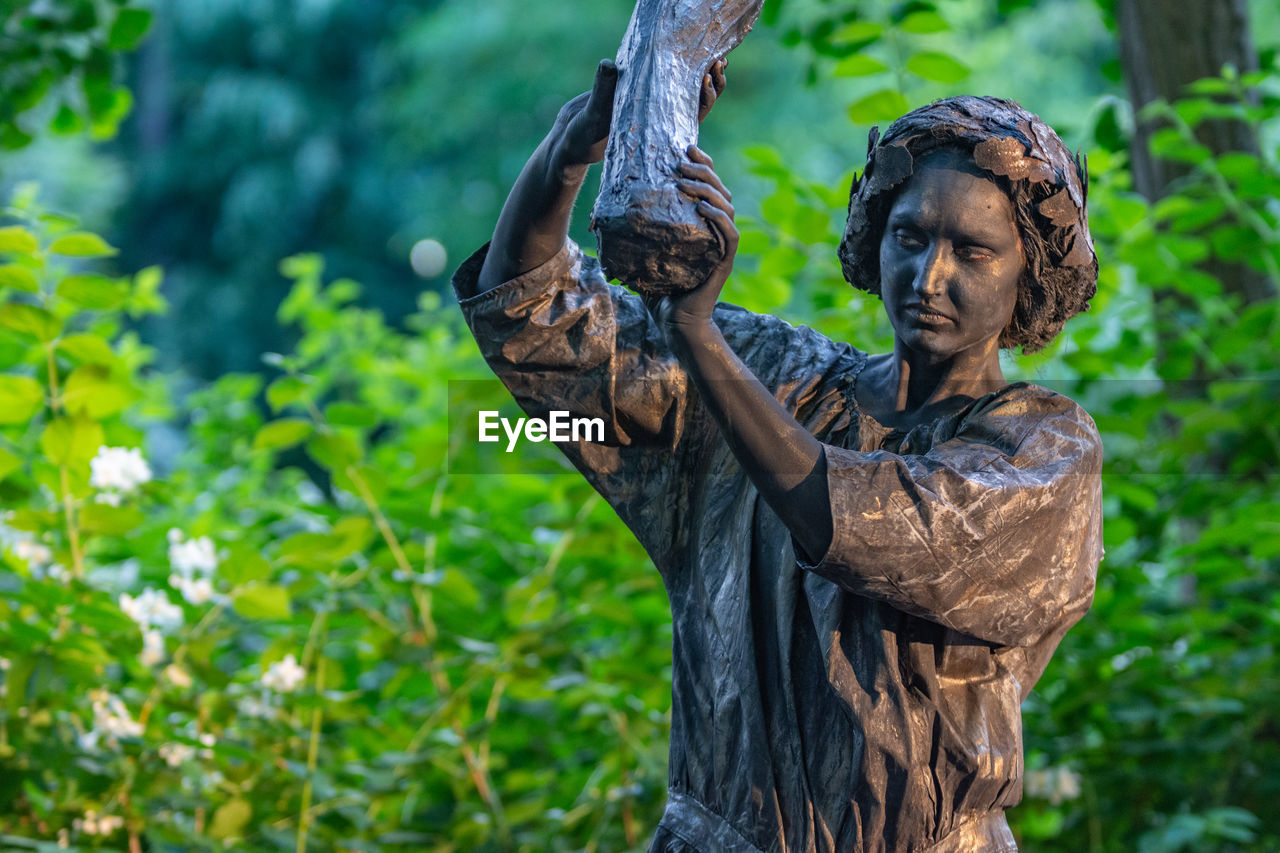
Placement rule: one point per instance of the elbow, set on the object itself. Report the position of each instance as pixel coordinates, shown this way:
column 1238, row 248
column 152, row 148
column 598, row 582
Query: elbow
column 1026, row 619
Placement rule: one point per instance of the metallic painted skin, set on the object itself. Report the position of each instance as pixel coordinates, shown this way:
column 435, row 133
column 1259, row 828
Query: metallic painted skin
column 867, row 701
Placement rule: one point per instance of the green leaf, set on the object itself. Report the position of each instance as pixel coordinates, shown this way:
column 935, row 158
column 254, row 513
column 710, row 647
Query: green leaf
column 941, row 67
column 87, row 349
column 1170, row 144
column 146, row 298
column 71, row 440
column 65, row 122
column 262, row 601
column 20, row 398
column 30, row 320
column 128, row 28
column 82, row 244
column 857, row 32
column 281, row 433
column 334, row 450
column 353, row 414
column 884, row 105
column 859, row 65
column 924, row 22
column 231, row 818
column 95, row 292
column 286, row 391
column 110, row 520
column 9, row 463
column 19, row 278
column 244, row 564
column 90, row 389
column 15, row 238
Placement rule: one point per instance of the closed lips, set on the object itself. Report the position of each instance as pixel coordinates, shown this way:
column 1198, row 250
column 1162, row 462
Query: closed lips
column 925, row 313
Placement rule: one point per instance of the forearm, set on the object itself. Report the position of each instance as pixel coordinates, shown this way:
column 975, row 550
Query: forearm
column 785, row 462
column 534, row 222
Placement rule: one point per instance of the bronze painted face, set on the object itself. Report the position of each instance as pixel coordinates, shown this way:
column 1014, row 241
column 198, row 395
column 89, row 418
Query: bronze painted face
column 950, row 262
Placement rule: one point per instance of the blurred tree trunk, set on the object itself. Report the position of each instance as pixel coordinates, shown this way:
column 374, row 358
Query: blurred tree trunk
column 1165, row 45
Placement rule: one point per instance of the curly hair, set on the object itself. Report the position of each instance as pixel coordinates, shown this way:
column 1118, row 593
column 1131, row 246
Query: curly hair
column 1025, row 158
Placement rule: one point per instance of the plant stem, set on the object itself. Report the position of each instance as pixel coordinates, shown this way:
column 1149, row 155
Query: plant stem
column 313, row 748
column 64, row 477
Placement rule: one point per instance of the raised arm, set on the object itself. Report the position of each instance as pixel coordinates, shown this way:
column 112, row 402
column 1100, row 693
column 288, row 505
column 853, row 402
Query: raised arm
column 534, row 221
column 783, row 460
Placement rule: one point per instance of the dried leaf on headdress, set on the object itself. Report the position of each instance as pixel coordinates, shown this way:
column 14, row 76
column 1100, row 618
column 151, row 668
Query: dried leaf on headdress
column 1005, row 155
column 892, row 164
column 1060, row 209
column 1081, row 253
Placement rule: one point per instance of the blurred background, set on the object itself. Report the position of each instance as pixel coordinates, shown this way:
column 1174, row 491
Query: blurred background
column 484, row 659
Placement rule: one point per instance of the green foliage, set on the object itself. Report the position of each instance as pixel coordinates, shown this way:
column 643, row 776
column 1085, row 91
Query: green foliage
column 351, row 644
column 375, row 641
column 65, row 53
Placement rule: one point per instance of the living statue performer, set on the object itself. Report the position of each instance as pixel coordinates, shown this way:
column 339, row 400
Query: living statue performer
column 869, row 558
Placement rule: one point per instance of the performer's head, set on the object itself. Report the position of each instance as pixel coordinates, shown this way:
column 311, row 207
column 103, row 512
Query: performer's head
column 1000, row 142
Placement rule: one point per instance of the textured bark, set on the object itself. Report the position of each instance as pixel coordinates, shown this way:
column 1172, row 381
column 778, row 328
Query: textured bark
column 1165, row 45
column 650, row 235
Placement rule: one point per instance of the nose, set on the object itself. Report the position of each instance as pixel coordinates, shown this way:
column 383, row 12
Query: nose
column 931, row 274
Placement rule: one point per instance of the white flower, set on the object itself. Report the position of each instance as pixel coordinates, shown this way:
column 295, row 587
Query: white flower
column 196, row 591
column 152, row 648
column 92, row 824
column 177, row 754
column 111, row 721
column 1055, row 784
column 152, row 609
column 193, row 555
column 178, row 676
column 194, row 561
column 119, row 470
column 208, row 741
column 284, row 676
column 35, row 554
column 253, row 706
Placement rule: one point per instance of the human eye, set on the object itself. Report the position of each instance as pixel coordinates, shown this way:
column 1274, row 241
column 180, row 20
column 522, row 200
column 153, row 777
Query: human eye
column 974, row 252
column 907, row 238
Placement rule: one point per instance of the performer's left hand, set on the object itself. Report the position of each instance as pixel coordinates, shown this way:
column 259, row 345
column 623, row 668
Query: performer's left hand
column 684, row 312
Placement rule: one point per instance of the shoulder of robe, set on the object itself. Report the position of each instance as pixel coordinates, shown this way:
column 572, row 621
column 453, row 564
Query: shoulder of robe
column 769, row 339
column 1025, row 418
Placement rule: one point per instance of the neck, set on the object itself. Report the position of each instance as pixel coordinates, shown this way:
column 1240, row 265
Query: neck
column 923, row 387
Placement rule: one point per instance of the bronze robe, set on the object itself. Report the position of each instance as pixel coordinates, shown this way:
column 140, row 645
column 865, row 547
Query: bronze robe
column 866, row 702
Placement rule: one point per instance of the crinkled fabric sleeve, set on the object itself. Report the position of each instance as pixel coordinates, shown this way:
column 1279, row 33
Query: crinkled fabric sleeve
column 561, row 338
column 994, row 532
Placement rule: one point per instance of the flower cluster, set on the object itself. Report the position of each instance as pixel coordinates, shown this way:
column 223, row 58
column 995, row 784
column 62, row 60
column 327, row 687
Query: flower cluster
column 37, row 555
column 193, row 561
column 111, row 721
column 118, row 472
column 1055, row 784
column 34, row 554
column 177, row 754
column 152, row 648
column 94, row 824
column 152, row 610
column 284, row 676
